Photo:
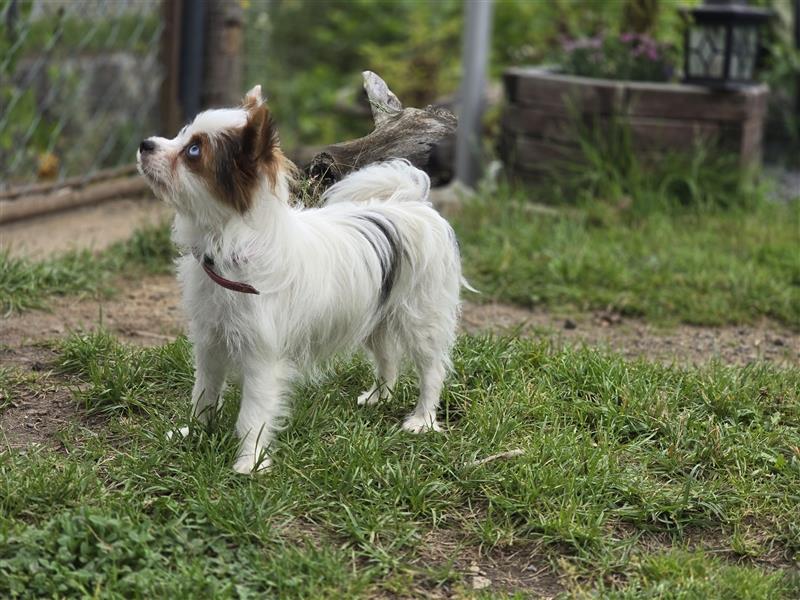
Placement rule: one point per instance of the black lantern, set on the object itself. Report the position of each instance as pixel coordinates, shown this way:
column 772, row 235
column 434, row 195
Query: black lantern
column 721, row 43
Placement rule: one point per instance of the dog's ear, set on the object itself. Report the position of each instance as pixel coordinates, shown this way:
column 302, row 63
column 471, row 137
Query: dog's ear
column 259, row 136
column 253, row 98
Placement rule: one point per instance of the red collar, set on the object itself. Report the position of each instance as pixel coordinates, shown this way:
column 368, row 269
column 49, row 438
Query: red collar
column 237, row 286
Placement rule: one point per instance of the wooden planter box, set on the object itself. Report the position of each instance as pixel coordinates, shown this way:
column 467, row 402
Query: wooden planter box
column 538, row 129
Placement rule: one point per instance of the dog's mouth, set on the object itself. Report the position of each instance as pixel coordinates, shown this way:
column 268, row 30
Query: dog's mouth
column 150, row 175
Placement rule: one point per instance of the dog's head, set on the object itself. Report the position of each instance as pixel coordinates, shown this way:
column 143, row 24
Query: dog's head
column 217, row 164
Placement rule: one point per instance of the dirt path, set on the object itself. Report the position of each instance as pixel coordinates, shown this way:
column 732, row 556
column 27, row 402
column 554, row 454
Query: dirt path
column 148, row 312
column 94, row 227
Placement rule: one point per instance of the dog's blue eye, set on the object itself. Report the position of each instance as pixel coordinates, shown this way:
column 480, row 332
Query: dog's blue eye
column 193, row 151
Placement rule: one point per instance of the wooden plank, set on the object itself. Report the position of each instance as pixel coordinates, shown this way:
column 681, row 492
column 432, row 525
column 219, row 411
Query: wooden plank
column 699, row 104
column 12, row 210
column 645, row 132
column 169, row 102
column 531, row 153
column 21, row 192
column 750, row 142
column 540, row 88
column 529, row 120
column 671, row 134
column 565, row 94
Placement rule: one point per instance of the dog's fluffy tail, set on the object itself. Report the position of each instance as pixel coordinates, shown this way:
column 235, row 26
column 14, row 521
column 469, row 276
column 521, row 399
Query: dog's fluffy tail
column 395, row 180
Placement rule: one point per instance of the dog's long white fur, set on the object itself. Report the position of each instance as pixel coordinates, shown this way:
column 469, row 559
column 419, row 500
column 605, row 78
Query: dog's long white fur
column 323, row 279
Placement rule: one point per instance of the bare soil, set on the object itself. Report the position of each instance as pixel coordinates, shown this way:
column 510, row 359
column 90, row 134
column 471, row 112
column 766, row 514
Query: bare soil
column 96, row 227
column 634, row 338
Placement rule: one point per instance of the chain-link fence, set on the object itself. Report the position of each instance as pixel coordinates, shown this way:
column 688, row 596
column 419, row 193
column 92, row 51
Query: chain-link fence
column 79, row 85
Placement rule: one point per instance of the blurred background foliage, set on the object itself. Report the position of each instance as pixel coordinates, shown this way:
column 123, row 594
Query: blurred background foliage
column 56, row 54
column 315, row 51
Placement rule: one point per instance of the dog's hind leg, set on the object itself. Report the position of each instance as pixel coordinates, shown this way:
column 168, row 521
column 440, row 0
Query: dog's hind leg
column 431, row 359
column 429, row 339
column 385, row 351
column 431, row 380
column 262, row 409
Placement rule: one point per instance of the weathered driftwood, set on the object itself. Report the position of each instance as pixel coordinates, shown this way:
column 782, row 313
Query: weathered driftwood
column 423, row 136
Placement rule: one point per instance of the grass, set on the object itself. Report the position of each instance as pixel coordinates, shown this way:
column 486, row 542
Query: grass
column 637, row 480
column 700, row 267
column 26, row 284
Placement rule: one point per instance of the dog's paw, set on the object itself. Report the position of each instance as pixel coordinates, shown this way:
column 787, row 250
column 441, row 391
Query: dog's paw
column 370, row 397
column 246, row 465
column 415, row 423
column 182, row 432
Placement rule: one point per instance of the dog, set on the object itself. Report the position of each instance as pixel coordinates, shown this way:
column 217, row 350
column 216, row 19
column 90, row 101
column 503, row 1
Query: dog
column 273, row 292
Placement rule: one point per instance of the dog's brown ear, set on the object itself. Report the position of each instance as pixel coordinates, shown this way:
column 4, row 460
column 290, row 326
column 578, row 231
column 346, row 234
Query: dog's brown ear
column 259, row 136
column 253, row 98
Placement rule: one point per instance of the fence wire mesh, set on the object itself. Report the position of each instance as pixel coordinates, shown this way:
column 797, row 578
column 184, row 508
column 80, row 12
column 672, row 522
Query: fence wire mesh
column 79, row 82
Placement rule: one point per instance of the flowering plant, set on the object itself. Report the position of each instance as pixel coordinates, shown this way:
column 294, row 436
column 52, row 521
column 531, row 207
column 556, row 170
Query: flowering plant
column 629, row 56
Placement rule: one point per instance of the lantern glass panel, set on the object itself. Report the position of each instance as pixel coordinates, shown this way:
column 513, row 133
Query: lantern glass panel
column 743, row 53
column 707, row 51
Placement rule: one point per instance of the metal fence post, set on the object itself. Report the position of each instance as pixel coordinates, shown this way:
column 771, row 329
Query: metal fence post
column 477, row 30
column 191, row 56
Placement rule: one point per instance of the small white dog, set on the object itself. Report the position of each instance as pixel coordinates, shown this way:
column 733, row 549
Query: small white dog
column 273, row 292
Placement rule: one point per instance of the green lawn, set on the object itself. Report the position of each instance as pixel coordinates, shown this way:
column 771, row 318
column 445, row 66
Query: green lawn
column 636, row 480
column 709, row 267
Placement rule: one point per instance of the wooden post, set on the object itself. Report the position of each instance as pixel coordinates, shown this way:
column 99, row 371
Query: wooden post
column 477, row 28
column 169, row 106
column 222, row 81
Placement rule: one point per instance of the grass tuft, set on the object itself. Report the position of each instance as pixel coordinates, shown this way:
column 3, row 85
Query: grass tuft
column 26, row 284
column 119, row 379
column 612, row 171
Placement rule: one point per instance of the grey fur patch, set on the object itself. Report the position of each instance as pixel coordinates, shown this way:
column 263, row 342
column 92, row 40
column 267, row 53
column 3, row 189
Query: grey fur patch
column 387, row 244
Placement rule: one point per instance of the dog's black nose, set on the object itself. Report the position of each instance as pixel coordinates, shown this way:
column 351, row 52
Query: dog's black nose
column 147, row 146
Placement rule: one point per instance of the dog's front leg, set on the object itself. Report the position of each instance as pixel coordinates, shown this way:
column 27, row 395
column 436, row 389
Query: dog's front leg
column 210, row 370
column 264, row 388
